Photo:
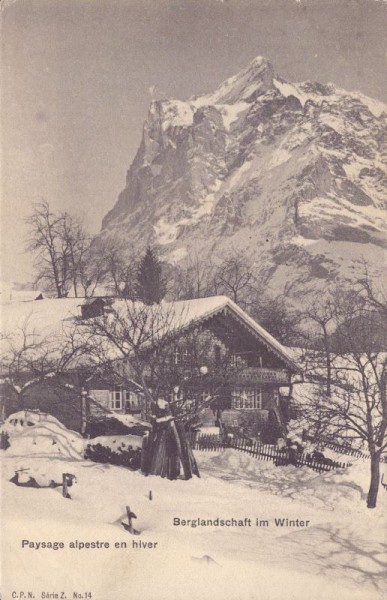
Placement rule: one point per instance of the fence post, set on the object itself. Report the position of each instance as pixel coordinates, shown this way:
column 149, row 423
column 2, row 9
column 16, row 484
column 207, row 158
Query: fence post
column 129, row 527
column 66, row 483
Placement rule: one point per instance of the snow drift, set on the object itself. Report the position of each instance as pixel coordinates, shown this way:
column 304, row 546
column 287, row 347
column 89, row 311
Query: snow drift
column 35, row 433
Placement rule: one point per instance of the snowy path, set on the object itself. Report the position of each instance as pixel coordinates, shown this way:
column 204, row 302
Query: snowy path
column 340, row 553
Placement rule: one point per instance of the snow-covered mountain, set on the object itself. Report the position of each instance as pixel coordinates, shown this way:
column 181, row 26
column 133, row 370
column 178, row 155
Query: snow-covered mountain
column 293, row 174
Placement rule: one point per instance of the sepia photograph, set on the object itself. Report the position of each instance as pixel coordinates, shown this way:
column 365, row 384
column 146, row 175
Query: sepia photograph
column 193, row 300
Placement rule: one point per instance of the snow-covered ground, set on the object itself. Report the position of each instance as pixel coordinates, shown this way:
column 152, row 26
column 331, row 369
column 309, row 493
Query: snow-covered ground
column 338, row 554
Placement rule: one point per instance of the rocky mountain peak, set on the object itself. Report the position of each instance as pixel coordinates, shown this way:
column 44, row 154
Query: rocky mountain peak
column 292, row 174
column 246, row 86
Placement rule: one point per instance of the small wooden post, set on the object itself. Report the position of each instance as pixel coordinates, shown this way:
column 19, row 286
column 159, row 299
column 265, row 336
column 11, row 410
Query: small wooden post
column 131, row 516
column 129, row 526
column 65, row 482
column 150, row 495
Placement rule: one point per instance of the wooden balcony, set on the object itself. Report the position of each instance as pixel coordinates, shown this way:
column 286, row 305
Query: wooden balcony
column 262, row 375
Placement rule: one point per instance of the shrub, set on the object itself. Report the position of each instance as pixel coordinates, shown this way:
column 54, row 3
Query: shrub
column 126, row 457
column 97, row 426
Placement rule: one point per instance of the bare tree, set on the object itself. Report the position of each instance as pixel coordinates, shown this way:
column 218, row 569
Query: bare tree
column 27, row 358
column 194, row 279
column 275, row 315
column 46, row 242
column 319, row 322
column 157, row 344
column 92, row 268
column 235, row 277
column 111, row 265
column 59, row 243
column 91, row 271
column 76, row 244
column 355, row 409
column 376, row 296
column 362, row 336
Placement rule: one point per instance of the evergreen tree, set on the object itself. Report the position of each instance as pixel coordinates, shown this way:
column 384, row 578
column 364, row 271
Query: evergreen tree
column 150, row 286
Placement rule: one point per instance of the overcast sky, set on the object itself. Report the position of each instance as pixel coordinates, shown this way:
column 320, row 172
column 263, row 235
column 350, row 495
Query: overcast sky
column 77, row 76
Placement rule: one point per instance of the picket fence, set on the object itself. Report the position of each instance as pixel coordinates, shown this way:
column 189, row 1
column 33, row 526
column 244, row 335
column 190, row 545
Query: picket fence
column 351, row 451
column 341, row 449
column 281, row 456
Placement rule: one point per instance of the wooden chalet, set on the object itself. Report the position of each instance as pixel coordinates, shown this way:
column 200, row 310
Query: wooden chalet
column 248, row 397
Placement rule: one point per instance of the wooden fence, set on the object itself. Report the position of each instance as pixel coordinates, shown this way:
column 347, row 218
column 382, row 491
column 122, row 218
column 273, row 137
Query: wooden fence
column 281, row 456
column 208, row 442
column 342, row 449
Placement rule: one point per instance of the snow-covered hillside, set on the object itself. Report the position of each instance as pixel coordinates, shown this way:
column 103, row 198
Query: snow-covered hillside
column 339, row 553
column 292, row 174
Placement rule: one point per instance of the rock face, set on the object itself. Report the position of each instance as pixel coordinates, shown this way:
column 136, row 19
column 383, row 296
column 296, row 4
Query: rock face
column 291, row 174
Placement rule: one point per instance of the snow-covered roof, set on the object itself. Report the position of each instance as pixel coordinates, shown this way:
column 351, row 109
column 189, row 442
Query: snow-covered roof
column 52, row 317
column 43, row 317
column 203, row 308
column 8, row 293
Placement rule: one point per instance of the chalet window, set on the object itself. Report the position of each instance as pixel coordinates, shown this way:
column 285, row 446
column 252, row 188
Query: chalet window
column 247, row 398
column 237, row 360
column 116, row 397
column 182, row 356
column 131, row 399
column 204, row 395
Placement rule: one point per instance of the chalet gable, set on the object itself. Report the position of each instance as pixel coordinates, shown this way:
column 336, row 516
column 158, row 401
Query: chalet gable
column 239, row 332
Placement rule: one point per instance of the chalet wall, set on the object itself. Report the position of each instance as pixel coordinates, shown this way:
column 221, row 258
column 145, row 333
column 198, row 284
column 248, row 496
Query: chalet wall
column 62, row 403
column 214, row 345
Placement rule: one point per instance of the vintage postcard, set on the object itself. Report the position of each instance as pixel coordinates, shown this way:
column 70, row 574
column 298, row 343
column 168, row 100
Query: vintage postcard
column 193, row 303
